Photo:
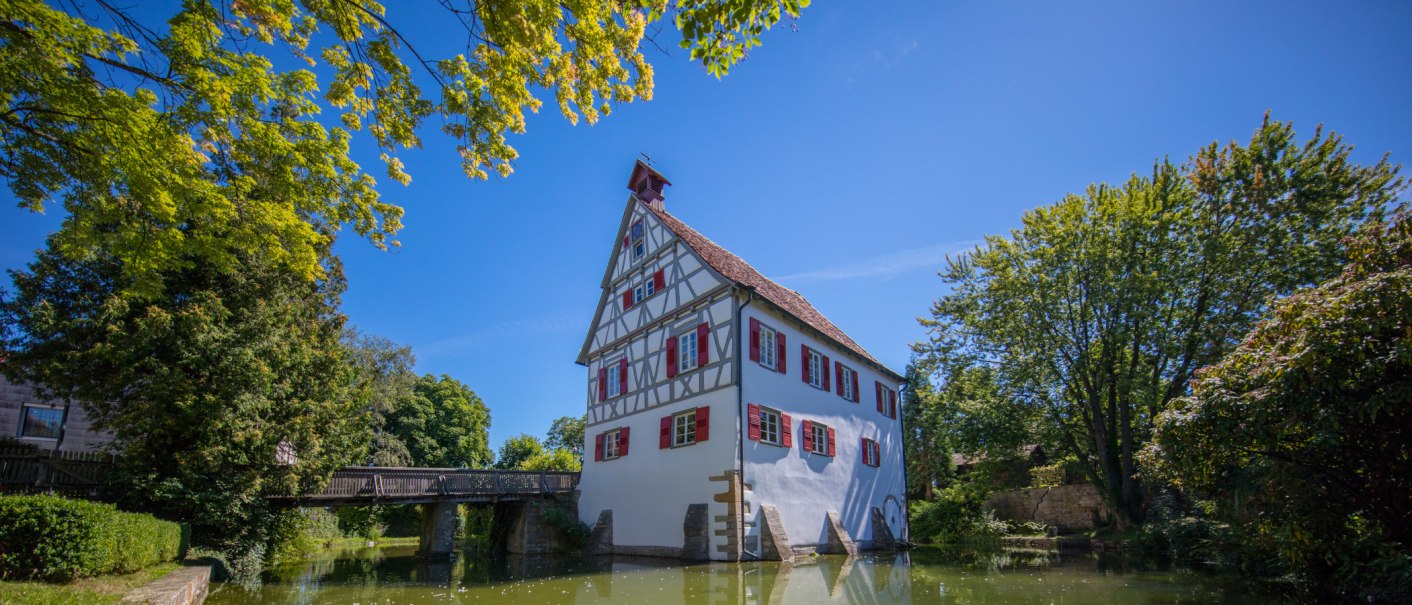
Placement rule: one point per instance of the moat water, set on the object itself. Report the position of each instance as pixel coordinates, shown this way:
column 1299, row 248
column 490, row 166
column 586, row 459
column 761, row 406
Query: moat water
column 393, row 575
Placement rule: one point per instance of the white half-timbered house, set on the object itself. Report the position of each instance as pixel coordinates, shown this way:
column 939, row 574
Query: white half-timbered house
column 727, row 418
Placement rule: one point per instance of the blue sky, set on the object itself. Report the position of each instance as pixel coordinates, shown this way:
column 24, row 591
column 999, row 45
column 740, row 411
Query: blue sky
column 845, row 160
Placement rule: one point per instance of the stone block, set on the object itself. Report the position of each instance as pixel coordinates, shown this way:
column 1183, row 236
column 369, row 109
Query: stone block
column 696, row 534
column 600, row 542
column 882, row 534
column 839, row 542
column 774, row 543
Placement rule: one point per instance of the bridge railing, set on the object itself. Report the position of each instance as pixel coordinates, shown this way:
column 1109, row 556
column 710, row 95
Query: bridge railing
column 390, row 483
column 24, row 469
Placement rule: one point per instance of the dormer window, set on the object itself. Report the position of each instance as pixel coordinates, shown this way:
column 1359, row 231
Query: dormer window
column 639, row 242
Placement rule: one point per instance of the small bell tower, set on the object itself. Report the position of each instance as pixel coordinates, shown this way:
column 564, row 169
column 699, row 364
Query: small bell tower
column 647, row 184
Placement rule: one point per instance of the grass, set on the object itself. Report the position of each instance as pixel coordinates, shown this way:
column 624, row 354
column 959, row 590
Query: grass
column 99, row 590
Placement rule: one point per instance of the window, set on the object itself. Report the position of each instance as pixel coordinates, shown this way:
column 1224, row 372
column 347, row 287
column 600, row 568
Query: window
column 871, row 452
column 767, row 347
column 686, row 351
column 770, row 427
column 887, row 401
column 684, row 428
column 615, row 380
column 41, row 422
column 846, row 388
column 638, row 294
column 818, row 438
column 649, row 288
column 816, row 370
column 639, row 243
column 611, row 443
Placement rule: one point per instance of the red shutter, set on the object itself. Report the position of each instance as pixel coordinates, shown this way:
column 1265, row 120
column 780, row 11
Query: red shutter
column 779, row 346
column 703, row 345
column 671, row 356
column 664, row 441
column 659, row 280
column 892, row 403
column 856, row 387
column 623, row 441
column 598, row 447
column 703, row 423
column 626, row 238
column 877, row 454
column 753, row 414
column 878, row 390
column 866, row 451
column 838, row 378
column 808, row 435
column 623, row 376
column 804, row 362
column 786, row 431
column 831, row 448
column 824, row 363
column 627, row 299
column 754, row 339
column 603, row 384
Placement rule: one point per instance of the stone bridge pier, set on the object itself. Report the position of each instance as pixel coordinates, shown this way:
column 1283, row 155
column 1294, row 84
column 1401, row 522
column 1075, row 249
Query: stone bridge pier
column 518, row 527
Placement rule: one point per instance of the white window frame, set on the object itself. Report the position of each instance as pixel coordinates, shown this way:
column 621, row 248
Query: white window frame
column 770, row 426
column 820, row 438
column 639, row 244
column 638, row 293
column 610, row 444
column 649, row 287
column 768, row 347
column 615, row 380
column 684, row 428
column 816, row 370
column 687, row 359
column 24, row 420
column 871, row 451
column 846, row 377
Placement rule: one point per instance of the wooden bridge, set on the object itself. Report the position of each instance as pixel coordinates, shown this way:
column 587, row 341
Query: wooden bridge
column 362, row 485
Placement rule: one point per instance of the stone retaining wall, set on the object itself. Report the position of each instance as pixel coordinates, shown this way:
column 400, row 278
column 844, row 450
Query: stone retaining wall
column 1067, row 507
column 185, row 586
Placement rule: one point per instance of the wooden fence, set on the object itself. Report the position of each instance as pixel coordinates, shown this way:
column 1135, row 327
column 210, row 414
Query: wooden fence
column 29, row 470
column 366, row 485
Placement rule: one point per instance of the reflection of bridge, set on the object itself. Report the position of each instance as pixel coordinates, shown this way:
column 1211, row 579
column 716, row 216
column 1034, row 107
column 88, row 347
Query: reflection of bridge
column 365, row 485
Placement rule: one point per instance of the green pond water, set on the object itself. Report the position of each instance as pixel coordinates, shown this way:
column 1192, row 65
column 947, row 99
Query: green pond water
column 393, row 575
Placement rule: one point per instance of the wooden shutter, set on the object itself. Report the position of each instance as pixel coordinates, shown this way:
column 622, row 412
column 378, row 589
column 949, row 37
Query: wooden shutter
column 786, row 431
column 808, row 436
column 824, row 363
column 703, row 423
column 753, row 414
column 838, row 378
column 664, row 441
column 623, row 376
column 627, row 299
column 864, row 449
column 754, row 340
column 598, row 447
column 626, row 238
column 671, row 356
column 856, row 395
column 831, row 448
column 703, row 345
column 877, row 454
column 623, row 441
column 659, row 280
column 779, row 353
column 892, row 403
column 804, row 362
column 603, row 383
column 878, row 390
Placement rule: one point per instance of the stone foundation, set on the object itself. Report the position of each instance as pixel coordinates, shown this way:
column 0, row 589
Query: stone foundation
column 1067, row 507
column 882, row 534
column 839, row 542
column 774, row 543
column 733, row 527
column 600, row 542
column 696, row 534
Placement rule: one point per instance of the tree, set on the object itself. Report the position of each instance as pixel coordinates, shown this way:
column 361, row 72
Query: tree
column 443, row 424
column 558, row 459
column 566, row 432
column 230, row 386
column 1094, row 314
column 1301, row 437
column 144, row 130
column 516, row 450
column 384, row 382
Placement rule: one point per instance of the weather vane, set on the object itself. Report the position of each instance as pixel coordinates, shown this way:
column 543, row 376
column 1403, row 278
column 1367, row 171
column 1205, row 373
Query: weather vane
column 646, row 157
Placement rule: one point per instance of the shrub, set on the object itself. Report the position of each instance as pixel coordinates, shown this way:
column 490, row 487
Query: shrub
column 57, row 539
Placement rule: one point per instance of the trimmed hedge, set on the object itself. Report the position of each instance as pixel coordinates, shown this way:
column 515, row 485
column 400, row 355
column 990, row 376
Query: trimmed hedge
column 57, row 539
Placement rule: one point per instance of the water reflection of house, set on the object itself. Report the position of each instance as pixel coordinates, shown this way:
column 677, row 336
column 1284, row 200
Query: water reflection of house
column 51, row 424
column 757, row 402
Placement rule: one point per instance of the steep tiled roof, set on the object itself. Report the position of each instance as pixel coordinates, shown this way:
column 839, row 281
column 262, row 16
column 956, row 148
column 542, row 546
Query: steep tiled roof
column 734, row 268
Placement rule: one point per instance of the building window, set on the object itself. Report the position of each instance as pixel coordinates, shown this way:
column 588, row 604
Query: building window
column 871, row 452
column 818, row 438
column 770, row 426
column 767, row 348
column 638, row 295
column 610, row 444
column 648, row 288
column 887, row 401
column 845, row 382
column 816, row 370
column 41, row 422
column 686, row 351
column 615, row 380
column 639, row 243
column 684, row 428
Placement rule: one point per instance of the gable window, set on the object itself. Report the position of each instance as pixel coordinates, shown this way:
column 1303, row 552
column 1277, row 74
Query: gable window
column 689, row 350
column 768, row 426
column 818, row 438
column 615, row 380
column 611, row 445
column 638, row 294
column 684, row 428
column 871, row 453
column 41, row 422
column 686, row 356
column 649, row 286
column 766, row 346
column 639, row 242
